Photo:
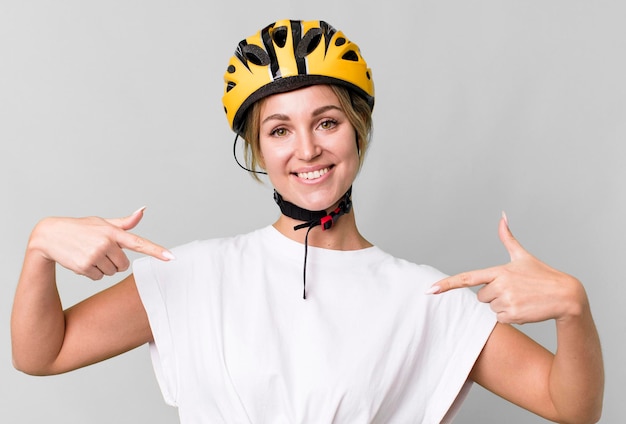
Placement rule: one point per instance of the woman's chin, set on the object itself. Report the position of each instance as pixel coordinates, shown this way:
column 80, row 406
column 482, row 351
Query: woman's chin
column 321, row 204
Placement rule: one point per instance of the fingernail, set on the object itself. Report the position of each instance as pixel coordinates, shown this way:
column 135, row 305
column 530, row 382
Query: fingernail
column 168, row 255
column 433, row 290
column 506, row 219
column 141, row 209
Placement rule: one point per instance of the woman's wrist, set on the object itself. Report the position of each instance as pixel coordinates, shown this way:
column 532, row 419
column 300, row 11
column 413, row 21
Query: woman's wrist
column 37, row 244
column 575, row 301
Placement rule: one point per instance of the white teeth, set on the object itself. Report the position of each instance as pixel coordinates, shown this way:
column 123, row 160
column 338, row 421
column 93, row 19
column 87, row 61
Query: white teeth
column 312, row 175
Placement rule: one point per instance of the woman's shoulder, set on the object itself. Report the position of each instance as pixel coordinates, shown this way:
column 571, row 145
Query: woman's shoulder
column 398, row 265
column 237, row 241
column 198, row 258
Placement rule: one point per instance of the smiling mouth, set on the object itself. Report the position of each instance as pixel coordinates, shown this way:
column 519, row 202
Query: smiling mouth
column 313, row 174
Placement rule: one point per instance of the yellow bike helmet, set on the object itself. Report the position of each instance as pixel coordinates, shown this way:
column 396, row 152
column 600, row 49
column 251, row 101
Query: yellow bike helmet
column 288, row 55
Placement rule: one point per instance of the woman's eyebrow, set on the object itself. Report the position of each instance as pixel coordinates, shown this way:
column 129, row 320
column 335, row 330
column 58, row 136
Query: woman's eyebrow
column 319, row 111
column 324, row 109
column 276, row 116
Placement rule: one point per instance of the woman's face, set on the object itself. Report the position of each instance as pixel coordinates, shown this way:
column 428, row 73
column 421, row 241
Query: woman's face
column 308, row 146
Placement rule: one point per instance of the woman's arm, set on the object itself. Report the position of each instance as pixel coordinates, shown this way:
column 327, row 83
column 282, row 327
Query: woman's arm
column 48, row 340
column 566, row 386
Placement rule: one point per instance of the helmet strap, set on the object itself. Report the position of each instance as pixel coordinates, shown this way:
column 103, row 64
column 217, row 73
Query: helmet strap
column 239, row 163
column 312, row 219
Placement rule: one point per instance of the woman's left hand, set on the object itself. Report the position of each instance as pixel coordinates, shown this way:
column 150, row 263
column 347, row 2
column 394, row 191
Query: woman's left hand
column 523, row 291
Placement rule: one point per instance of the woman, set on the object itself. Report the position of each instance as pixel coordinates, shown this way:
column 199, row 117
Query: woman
column 305, row 320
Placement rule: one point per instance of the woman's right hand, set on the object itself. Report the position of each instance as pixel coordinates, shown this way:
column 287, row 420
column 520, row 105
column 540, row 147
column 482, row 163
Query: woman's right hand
column 92, row 246
column 46, row 339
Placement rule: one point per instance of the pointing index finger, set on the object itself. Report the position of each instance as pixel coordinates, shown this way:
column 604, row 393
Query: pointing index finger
column 139, row 244
column 464, row 279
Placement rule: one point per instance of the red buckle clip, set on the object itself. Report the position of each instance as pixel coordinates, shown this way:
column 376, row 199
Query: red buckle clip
column 326, row 222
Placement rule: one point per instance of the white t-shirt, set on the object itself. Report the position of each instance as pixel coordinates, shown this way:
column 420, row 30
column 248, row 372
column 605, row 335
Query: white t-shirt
column 235, row 342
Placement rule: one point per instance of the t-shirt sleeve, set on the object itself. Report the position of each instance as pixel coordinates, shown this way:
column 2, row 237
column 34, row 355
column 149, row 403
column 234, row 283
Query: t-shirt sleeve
column 162, row 288
column 461, row 327
column 466, row 344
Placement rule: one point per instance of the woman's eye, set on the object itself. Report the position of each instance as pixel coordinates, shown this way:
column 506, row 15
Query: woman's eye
column 328, row 124
column 279, row 132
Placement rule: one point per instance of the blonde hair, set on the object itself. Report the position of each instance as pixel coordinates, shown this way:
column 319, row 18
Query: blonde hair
column 356, row 108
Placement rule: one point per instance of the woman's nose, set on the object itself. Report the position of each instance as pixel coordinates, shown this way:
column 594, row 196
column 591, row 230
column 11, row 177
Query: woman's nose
column 307, row 148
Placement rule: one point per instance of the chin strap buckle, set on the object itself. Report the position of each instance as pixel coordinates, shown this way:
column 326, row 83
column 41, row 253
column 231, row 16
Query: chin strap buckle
column 327, row 222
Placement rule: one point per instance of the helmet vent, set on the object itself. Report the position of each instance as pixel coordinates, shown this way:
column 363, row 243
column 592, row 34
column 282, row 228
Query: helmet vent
column 340, row 41
column 256, row 55
column 351, row 55
column 279, row 35
column 230, row 85
column 309, row 42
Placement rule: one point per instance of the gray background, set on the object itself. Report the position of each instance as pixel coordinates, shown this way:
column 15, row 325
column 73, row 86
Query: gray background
column 481, row 106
